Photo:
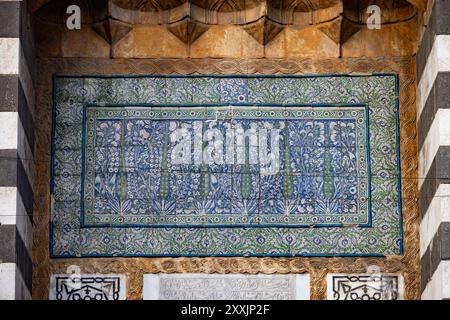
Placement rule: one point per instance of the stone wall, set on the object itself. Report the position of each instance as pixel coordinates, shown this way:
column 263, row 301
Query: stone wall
column 229, row 48
column 337, row 31
column 16, row 149
column 433, row 74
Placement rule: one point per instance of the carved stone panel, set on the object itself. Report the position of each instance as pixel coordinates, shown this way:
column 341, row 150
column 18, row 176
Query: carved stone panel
column 364, row 286
column 225, row 287
column 87, row 287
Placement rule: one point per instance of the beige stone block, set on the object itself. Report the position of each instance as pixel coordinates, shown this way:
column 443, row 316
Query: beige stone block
column 250, row 48
column 299, row 43
column 277, row 47
column 309, row 42
column 146, row 41
column 84, row 43
column 226, row 42
column 390, row 40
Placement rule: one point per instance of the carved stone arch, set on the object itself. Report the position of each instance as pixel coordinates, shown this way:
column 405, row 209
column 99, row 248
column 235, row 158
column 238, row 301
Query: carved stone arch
column 226, row 11
column 225, row 6
column 392, row 11
column 148, row 5
column 302, row 6
column 154, row 3
column 262, row 19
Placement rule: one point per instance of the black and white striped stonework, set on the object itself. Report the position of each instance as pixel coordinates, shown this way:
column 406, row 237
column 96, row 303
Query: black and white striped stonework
column 16, row 149
column 433, row 100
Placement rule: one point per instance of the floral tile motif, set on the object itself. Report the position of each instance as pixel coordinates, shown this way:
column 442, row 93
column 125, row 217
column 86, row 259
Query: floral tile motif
column 126, row 184
column 131, row 176
column 234, row 90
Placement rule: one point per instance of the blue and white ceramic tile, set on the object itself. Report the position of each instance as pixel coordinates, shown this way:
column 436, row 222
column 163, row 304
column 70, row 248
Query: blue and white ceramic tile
column 118, row 192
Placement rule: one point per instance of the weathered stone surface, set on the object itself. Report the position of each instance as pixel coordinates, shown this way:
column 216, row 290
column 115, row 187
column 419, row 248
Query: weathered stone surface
column 83, row 43
column 263, row 30
column 226, row 287
column 146, row 41
column 420, row 4
column 37, row 4
column 10, row 19
column 112, row 30
column 48, row 39
column 226, row 41
column 305, row 42
column 188, row 30
column 225, row 12
column 262, row 21
column 391, row 40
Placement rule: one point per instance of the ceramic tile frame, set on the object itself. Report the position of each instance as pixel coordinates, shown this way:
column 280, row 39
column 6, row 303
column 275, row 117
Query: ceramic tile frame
column 399, row 250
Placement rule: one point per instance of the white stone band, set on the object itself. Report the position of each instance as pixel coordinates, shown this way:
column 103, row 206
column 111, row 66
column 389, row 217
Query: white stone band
column 438, row 287
column 13, row 62
column 12, row 136
column 12, row 284
column 438, row 61
column 12, row 212
column 437, row 212
column 438, row 135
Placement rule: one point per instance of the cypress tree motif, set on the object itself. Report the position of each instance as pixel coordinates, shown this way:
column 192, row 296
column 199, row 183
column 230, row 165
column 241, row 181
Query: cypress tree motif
column 327, row 178
column 246, row 172
column 287, row 166
column 121, row 185
column 204, row 170
column 164, row 182
column 149, row 178
column 149, row 183
column 204, row 180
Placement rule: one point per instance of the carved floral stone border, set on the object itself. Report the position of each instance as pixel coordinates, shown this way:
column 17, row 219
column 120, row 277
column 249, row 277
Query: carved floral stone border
column 134, row 268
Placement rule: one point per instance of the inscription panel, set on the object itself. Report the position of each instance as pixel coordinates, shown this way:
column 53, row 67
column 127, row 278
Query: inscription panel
column 226, row 287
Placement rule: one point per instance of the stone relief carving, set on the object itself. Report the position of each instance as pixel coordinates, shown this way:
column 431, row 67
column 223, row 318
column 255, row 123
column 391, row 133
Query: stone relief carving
column 263, row 20
column 364, row 287
column 87, row 287
column 225, row 287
